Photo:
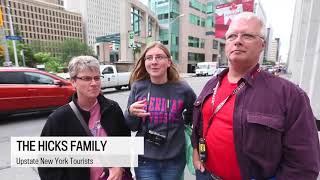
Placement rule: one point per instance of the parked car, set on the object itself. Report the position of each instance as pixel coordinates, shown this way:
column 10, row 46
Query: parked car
column 28, row 90
column 112, row 77
column 205, row 68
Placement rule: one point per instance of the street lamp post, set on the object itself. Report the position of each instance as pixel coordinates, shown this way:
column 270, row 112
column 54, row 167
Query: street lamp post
column 12, row 34
column 169, row 29
column 23, row 59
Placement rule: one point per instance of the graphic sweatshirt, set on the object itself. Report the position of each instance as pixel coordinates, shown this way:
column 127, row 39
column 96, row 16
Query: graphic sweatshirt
column 171, row 106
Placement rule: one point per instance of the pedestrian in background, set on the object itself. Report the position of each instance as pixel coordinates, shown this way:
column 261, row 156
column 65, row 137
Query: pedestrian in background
column 103, row 116
column 249, row 124
column 156, row 104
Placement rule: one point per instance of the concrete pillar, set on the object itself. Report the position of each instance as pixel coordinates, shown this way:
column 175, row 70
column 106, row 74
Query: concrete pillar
column 315, row 56
column 104, row 53
column 309, row 45
column 126, row 54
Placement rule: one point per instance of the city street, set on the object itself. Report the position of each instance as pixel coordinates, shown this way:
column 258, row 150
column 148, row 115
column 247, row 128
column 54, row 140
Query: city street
column 31, row 126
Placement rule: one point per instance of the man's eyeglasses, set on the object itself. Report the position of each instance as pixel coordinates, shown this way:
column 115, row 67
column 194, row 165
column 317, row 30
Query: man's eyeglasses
column 89, row 78
column 157, row 58
column 243, row 36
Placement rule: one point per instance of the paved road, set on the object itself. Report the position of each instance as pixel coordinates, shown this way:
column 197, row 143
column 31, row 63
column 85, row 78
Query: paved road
column 32, row 125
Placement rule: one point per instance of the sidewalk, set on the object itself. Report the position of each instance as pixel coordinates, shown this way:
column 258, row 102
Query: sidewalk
column 187, row 75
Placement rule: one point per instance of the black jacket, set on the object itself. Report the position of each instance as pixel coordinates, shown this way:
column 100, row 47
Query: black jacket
column 63, row 122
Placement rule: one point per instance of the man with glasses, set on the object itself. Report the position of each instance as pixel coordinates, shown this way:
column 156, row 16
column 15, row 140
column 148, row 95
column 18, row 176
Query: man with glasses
column 249, row 124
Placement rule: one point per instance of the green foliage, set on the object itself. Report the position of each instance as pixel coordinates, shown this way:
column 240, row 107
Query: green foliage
column 54, row 55
column 74, row 47
column 27, row 51
column 52, row 64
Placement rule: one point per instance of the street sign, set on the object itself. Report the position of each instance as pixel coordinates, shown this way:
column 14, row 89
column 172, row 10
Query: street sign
column 17, row 38
column 131, row 39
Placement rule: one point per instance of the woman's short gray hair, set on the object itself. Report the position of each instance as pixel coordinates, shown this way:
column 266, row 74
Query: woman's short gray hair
column 80, row 63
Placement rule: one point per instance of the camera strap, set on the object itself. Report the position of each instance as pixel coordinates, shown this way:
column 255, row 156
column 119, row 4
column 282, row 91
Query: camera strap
column 167, row 111
column 79, row 116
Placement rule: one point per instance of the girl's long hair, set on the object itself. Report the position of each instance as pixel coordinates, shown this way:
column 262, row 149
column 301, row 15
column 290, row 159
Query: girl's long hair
column 139, row 71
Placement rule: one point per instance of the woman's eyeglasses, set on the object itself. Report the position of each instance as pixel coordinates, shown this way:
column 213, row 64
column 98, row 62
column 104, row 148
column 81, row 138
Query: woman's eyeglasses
column 88, row 78
column 157, row 58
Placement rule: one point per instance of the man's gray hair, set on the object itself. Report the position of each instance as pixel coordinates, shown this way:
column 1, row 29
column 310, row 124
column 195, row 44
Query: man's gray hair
column 80, row 63
column 249, row 16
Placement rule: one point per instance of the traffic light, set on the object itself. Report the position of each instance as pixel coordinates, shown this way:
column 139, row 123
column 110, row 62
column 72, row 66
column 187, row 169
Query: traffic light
column 1, row 17
column 1, row 51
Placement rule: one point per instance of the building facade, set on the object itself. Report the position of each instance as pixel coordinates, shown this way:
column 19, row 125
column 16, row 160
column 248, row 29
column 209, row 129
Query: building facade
column 42, row 23
column 139, row 26
column 100, row 17
column 187, row 27
column 304, row 52
column 190, row 25
column 274, row 50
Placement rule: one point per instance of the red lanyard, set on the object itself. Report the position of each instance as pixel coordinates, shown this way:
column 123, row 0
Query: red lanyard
column 218, row 108
column 235, row 91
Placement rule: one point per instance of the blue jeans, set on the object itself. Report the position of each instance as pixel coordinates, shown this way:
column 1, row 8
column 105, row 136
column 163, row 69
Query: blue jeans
column 205, row 175
column 169, row 169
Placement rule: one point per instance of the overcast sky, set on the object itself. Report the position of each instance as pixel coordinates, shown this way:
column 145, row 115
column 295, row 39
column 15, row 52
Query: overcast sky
column 279, row 15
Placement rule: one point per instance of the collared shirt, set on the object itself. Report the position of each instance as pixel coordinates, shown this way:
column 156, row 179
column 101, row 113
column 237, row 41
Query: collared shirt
column 273, row 126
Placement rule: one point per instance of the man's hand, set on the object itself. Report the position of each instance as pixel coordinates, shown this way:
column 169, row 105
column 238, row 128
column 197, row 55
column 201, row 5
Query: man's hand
column 115, row 173
column 198, row 165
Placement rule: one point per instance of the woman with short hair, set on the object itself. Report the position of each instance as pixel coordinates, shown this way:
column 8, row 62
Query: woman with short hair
column 103, row 116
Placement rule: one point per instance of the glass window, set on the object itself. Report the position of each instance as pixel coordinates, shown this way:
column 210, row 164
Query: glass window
column 199, row 57
column 196, row 20
column 210, row 21
column 36, row 78
column 149, row 27
column 12, row 78
column 196, row 42
column 215, row 44
column 108, row 70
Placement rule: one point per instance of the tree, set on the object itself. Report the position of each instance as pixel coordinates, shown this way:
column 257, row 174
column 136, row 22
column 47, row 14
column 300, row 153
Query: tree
column 74, row 47
column 52, row 64
column 27, row 51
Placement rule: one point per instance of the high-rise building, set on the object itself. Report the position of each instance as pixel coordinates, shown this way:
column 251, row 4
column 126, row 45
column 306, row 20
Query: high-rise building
column 100, row 17
column 268, row 40
column 274, row 50
column 191, row 28
column 57, row 2
column 190, row 25
column 42, row 22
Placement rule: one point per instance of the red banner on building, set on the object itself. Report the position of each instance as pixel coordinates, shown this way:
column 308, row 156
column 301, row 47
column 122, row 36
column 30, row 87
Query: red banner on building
column 225, row 12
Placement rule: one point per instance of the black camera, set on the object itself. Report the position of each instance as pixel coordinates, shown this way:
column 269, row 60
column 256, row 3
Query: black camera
column 155, row 138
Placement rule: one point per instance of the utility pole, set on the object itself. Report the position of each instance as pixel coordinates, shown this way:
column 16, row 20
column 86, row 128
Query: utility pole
column 23, row 59
column 12, row 34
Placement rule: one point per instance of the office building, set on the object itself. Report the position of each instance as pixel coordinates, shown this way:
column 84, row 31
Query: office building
column 42, row 23
column 191, row 28
column 274, row 50
column 100, row 17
